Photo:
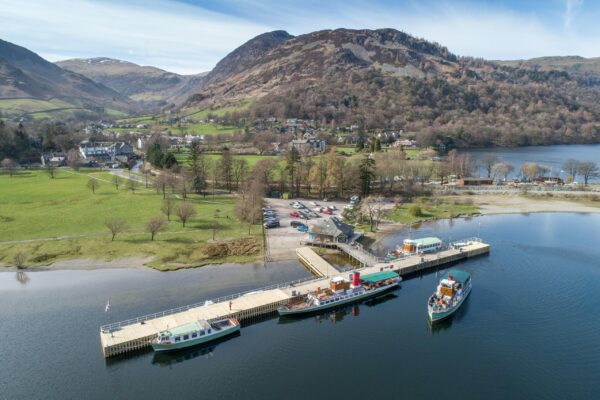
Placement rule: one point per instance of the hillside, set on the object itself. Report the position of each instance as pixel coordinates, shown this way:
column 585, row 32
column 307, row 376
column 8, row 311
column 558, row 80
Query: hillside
column 26, row 76
column 390, row 80
column 139, row 83
column 587, row 70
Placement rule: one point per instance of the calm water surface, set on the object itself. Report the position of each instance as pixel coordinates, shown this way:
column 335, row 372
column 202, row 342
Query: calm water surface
column 530, row 329
column 551, row 156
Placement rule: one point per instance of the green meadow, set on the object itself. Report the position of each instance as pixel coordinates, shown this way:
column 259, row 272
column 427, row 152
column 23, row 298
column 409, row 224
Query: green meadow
column 60, row 218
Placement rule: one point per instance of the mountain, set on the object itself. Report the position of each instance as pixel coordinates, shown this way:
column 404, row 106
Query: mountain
column 139, row 83
column 587, row 70
column 387, row 79
column 25, row 75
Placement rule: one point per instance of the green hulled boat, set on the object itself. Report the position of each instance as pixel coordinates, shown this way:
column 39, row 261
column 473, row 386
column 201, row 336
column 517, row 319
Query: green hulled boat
column 341, row 291
column 194, row 333
column 451, row 292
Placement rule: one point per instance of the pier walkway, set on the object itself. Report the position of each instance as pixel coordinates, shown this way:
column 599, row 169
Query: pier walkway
column 315, row 263
column 137, row 333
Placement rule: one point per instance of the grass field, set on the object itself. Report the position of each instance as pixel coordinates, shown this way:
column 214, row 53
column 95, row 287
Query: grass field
column 33, row 206
column 430, row 209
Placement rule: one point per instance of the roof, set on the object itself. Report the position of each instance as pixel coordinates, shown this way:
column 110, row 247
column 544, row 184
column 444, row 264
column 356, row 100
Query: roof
column 379, row 276
column 426, row 241
column 332, row 227
column 457, row 274
column 186, row 328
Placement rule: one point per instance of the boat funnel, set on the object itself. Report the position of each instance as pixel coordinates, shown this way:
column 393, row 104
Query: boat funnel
column 356, row 279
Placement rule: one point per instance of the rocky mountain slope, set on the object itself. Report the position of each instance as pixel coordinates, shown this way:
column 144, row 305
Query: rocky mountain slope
column 587, row 70
column 24, row 74
column 388, row 79
column 139, row 83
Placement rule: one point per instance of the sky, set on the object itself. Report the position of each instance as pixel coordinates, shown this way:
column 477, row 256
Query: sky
column 191, row 36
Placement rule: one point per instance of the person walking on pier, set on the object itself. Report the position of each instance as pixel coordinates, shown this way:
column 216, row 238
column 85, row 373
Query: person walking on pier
column 230, row 304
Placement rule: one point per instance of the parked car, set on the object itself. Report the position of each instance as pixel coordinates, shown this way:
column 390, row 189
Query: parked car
column 354, row 199
column 267, row 209
column 298, row 206
column 294, row 214
column 272, row 224
column 296, row 224
column 332, row 208
column 317, row 209
column 302, row 228
column 327, row 211
column 312, row 203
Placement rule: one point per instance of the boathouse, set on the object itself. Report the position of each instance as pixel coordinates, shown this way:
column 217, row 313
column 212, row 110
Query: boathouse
column 331, row 230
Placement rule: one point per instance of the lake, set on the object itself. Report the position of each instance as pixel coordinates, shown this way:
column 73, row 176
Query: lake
column 530, row 328
column 551, row 156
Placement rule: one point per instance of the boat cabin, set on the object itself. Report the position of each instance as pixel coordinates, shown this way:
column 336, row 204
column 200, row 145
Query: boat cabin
column 423, row 245
column 185, row 332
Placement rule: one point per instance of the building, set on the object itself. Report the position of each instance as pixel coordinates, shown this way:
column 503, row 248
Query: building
column 55, row 159
column 305, row 146
column 331, row 230
column 475, row 181
column 102, row 152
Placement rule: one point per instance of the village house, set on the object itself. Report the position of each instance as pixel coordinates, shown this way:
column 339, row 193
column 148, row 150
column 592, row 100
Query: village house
column 331, row 230
column 305, row 146
column 406, row 143
column 104, row 152
column 55, row 159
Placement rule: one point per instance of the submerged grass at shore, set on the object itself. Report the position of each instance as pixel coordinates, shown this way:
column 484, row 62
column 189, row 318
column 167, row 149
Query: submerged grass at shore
column 57, row 219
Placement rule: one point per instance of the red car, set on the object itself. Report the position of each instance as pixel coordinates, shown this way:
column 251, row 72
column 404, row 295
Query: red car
column 327, row 211
column 294, row 214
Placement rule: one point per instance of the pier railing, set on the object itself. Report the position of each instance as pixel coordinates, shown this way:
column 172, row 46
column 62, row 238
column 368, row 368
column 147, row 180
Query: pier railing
column 117, row 325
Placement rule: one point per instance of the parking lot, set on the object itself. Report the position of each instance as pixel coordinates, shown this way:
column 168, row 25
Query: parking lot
column 284, row 240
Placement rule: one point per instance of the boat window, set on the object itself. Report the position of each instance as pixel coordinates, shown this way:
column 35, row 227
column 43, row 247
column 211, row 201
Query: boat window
column 208, row 331
column 201, row 333
column 178, row 338
column 195, row 334
column 186, row 337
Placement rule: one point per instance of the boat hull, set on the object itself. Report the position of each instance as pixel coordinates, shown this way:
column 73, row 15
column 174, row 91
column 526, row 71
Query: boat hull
column 440, row 316
column 315, row 309
column 197, row 341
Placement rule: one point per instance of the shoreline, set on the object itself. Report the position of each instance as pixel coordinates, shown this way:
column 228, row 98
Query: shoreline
column 488, row 205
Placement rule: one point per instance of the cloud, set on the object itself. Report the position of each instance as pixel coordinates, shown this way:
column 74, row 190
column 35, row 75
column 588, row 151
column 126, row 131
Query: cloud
column 572, row 7
column 188, row 38
column 174, row 36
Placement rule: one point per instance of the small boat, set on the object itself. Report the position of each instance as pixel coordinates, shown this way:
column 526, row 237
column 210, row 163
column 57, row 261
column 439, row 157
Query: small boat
column 422, row 245
column 194, row 333
column 451, row 292
column 342, row 291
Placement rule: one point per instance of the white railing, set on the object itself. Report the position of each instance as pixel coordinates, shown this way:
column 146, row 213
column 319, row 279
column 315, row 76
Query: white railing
column 116, row 325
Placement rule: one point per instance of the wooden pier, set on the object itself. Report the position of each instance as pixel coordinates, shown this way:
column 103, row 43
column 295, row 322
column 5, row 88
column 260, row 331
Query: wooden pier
column 134, row 334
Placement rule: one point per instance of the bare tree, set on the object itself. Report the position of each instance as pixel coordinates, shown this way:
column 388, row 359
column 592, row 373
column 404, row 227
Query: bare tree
column 115, row 226
column 168, row 205
column 131, row 184
column 530, row 170
column 51, row 171
column 570, row 167
column 502, row 169
column 372, row 206
column 9, row 166
column 487, row 162
column 155, row 225
column 185, row 211
column 93, row 184
column 116, row 181
column 73, row 158
column 20, row 259
column 588, row 170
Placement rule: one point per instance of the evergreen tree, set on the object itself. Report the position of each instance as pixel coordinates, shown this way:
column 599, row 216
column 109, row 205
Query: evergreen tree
column 366, row 173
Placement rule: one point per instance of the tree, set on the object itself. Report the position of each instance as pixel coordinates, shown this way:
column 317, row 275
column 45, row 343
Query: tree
column 291, row 162
column 502, row 170
column 116, row 181
column 167, row 207
column 93, row 184
column 372, row 206
column 9, row 166
column 487, row 162
column 154, row 226
column 240, row 171
column 73, row 158
column 131, row 184
column 250, row 199
column 185, row 211
column 226, row 168
column 198, row 168
column 169, row 160
column 588, row 170
column 570, row 167
column 51, row 171
column 115, row 226
column 146, row 169
column 20, row 259
column 530, row 170
column 366, row 168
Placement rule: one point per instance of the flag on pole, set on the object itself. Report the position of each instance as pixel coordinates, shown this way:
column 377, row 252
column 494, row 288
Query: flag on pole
column 107, row 307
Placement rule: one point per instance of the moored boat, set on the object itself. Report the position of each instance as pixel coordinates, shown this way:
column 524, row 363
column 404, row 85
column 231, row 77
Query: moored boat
column 342, row 291
column 451, row 292
column 194, row 333
column 421, row 245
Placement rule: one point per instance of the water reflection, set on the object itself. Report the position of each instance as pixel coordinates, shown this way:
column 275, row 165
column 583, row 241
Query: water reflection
column 22, row 277
column 167, row 359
